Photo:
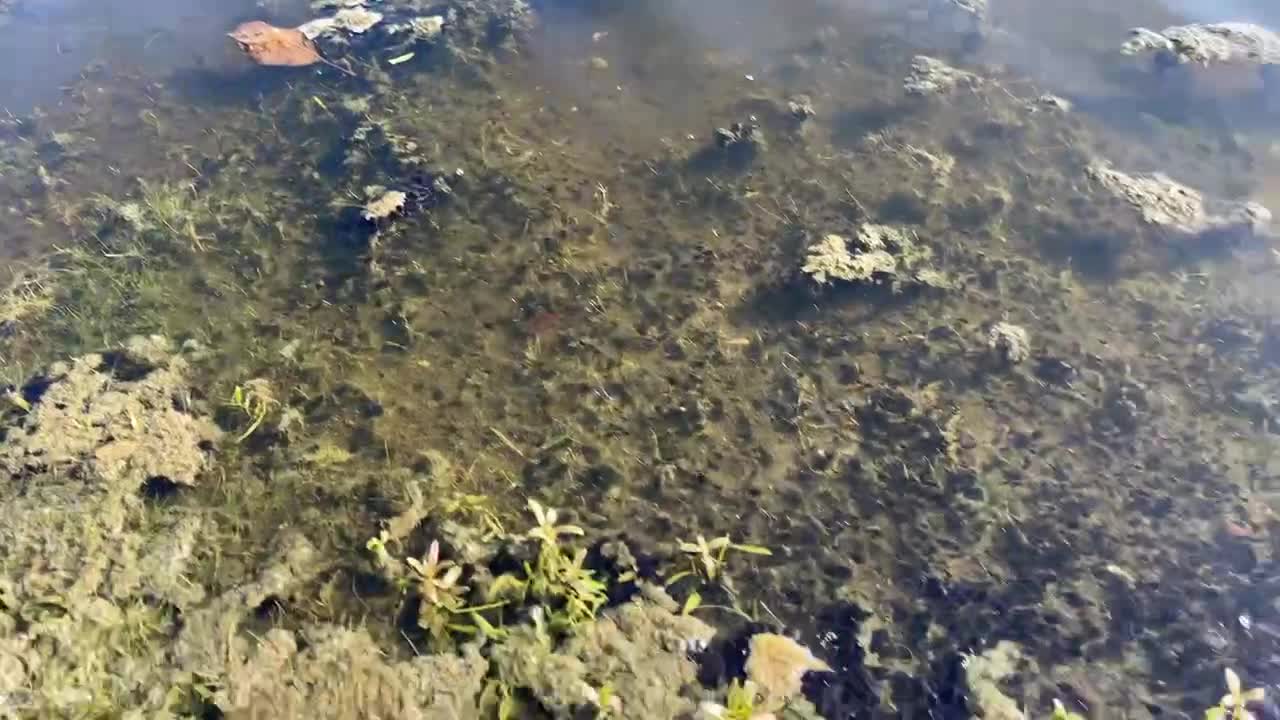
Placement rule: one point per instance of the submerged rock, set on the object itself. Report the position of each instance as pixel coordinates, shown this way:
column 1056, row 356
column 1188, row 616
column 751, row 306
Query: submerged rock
column 930, row 76
column 1207, row 44
column 1182, row 210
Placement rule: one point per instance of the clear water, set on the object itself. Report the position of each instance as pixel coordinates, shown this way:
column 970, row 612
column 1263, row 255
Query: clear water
column 607, row 315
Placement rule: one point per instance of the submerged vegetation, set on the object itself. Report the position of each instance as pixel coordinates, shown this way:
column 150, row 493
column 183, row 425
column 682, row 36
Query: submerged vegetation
column 957, row 399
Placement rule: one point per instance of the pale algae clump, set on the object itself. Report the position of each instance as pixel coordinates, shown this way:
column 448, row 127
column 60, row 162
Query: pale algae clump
column 983, row 674
column 832, row 259
column 641, row 650
column 89, row 579
column 122, row 431
column 876, row 253
column 1009, row 343
column 776, row 664
column 336, row 672
column 1181, row 210
column 1232, row 43
column 930, row 76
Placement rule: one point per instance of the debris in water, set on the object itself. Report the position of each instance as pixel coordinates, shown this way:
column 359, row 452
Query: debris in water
column 801, row 108
column 270, row 45
column 1009, row 343
column 740, row 134
column 930, row 76
column 419, row 28
column 351, row 21
column 383, row 203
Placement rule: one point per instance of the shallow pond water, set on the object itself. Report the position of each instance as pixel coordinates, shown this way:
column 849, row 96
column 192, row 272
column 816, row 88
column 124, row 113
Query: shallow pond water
column 979, row 382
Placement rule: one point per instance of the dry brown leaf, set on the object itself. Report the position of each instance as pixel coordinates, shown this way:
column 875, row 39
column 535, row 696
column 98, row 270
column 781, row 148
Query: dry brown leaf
column 270, row 45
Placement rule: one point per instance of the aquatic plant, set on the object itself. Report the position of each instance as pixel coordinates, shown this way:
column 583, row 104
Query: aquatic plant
column 14, row 397
column 255, row 401
column 1235, row 704
column 378, row 546
column 568, row 592
column 443, row 599
column 707, row 557
column 740, row 704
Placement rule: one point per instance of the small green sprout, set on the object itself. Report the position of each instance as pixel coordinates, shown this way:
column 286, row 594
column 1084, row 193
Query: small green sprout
column 740, row 703
column 708, row 557
column 15, row 398
column 378, row 546
column 1235, row 704
column 255, row 401
column 568, row 591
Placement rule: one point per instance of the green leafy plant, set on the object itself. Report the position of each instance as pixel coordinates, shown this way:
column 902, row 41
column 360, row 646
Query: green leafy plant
column 255, row 401
column 443, row 599
column 706, row 559
column 568, row 592
column 740, row 703
column 1235, row 704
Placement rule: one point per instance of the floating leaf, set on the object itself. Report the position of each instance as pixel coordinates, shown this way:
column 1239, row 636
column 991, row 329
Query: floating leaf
column 270, row 45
